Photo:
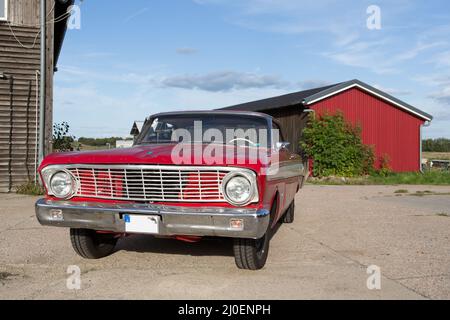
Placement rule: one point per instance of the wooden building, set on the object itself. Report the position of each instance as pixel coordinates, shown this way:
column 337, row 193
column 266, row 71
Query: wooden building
column 137, row 128
column 19, row 84
column 391, row 126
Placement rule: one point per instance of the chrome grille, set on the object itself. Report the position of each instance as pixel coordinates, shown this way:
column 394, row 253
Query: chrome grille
column 150, row 183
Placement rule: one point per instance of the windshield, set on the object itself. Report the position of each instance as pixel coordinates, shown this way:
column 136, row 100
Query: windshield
column 206, row 128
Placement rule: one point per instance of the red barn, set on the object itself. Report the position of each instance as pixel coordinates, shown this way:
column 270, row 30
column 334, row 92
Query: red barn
column 392, row 126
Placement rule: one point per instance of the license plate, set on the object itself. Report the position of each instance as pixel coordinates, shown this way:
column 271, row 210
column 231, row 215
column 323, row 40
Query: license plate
column 141, row 224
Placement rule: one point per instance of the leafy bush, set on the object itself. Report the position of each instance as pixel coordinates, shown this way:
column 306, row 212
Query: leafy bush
column 336, row 147
column 31, row 189
column 62, row 141
column 385, row 167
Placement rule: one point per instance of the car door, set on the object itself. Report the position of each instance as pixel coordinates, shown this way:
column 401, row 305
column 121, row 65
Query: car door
column 290, row 171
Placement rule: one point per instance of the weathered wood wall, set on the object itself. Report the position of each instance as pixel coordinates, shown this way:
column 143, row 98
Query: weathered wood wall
column 20, row 58
column 292, row 121
column 24, row 12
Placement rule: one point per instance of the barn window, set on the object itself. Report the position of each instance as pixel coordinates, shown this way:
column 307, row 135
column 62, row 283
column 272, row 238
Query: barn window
column 3, row 10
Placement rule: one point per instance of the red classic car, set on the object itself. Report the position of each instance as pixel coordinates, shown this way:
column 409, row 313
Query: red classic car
column 189, row 175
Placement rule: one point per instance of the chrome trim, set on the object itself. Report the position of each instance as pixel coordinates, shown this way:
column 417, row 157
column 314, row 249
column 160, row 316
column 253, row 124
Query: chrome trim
column 285, row 170
column 251, row 177
column 145, row 166
column 48, row 179
column 130, row 184
column 202, row 221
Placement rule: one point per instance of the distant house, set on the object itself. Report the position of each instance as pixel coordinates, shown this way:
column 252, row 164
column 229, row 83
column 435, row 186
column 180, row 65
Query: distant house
column 120, row 144
column 136, row 129
column 392, row 126
column 19, row 84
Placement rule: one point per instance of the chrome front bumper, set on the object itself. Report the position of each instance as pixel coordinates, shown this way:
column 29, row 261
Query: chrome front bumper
column 193, row 221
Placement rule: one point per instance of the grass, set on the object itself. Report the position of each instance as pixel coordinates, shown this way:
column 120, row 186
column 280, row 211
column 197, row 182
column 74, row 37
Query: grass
column 436, row 155
column 31, row 189
column 401, row 191
column 413, row 178
column 408, row 178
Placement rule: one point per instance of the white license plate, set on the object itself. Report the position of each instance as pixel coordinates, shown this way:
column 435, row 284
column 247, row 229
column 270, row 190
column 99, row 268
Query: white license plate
column 141, row 224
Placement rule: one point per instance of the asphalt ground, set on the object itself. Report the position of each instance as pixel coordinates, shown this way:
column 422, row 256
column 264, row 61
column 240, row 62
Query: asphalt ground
column 339, row 231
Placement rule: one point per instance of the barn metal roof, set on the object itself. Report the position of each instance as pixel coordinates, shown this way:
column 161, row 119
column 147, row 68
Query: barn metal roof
column 286, row 100
column 308, row 97
column 137, row 127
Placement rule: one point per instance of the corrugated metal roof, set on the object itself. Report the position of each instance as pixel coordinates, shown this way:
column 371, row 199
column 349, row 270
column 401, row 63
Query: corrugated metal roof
column 311, row 96
column 279, row 101
column 137, row 127
column 364, row 86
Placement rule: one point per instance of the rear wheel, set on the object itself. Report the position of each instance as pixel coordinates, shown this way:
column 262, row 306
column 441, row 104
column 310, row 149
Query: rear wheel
column 92, row 245
column 290, row 214
column 251, row 254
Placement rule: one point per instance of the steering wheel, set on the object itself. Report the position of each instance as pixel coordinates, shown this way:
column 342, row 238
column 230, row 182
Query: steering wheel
column 243, row 139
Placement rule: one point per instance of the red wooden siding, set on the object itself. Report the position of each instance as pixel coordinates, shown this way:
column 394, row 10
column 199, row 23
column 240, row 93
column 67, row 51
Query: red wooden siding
column 393, row 131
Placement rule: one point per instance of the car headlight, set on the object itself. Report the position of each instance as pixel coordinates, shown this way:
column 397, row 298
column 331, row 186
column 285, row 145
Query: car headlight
column 62, row 185
column 238, row 189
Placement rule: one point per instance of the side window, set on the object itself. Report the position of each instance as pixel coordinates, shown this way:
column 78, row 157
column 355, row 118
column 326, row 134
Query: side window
column 4, row 10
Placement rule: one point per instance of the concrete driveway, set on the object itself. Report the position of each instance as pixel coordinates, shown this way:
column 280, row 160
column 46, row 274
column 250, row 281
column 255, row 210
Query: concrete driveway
column 339, row 231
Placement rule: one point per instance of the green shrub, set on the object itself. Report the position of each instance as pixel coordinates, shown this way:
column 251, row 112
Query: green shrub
column 31, row 189
column 336, row 147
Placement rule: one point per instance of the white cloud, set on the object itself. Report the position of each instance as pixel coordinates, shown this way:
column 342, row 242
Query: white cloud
column 313, row 83
column 393, row 91
column 419, row 48
column 442, row 95
column 136, row 14
column 365, row 54
column 224, row 81
column 186, row 50
column 442, row 59
column 92, row 104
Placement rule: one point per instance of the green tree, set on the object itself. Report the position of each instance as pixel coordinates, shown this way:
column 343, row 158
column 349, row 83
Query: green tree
column 98, row 142
column 62, row 141
column 436, row 145
column 336, row 147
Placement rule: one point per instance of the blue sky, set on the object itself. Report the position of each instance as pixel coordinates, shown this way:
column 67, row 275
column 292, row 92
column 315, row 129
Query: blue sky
column 132, row 59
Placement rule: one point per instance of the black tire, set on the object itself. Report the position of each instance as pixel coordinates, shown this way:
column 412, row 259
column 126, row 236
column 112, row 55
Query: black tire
column 290, row 214
column 92, row 245
column 250, row 254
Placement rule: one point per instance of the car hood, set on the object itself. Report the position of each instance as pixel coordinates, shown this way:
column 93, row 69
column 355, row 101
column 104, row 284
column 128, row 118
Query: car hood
column 161, row 154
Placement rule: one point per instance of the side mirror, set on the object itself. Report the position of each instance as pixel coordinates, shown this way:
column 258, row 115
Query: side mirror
column 282, row 145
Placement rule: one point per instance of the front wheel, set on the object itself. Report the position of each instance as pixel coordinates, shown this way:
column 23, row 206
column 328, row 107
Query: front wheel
column 251, row 254
column 290, row 214
column 92, row 245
